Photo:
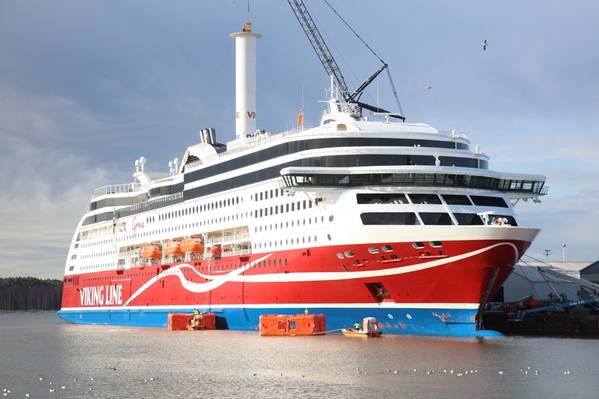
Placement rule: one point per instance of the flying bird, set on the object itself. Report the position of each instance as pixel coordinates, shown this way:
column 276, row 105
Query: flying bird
column 485, row 44
column 428, row 87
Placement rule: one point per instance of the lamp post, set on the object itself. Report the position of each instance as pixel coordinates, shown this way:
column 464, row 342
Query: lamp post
column 546, row 252
column 563, row 252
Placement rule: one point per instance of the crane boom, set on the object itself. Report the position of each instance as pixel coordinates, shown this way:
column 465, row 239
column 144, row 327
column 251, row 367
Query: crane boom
column 319, row 45
column 330, row 65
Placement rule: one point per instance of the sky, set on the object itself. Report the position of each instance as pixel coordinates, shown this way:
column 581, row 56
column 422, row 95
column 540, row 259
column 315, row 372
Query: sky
column 88, row 87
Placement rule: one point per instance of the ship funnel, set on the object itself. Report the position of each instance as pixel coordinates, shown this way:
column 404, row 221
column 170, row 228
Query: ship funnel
column 208, row 136
column 245, row 81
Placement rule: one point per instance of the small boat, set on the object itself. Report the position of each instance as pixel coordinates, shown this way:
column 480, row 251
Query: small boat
column 349, row 332
column 173, row 248
column 192, row 245
column 370, row 329
column 151, row 252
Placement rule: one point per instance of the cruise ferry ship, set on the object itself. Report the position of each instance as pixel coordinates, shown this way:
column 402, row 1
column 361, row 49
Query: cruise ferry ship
column 354, row 217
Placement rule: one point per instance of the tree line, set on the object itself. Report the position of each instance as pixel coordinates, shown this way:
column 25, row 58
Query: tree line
column 29, row 293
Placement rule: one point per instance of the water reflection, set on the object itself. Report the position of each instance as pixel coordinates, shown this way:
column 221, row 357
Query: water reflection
column 112, row 362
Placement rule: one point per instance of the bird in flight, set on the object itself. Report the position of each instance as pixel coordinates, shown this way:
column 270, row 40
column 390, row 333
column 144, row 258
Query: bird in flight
column 485, row 44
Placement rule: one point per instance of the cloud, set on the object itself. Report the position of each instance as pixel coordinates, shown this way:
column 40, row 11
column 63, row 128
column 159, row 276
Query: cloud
column 46, row 185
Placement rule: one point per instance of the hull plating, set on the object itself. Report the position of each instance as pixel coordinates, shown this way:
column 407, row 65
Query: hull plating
column 433, row 290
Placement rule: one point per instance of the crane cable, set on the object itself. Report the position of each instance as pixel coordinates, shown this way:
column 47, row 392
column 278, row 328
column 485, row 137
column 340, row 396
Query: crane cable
column 354, row 32
column 372, row 51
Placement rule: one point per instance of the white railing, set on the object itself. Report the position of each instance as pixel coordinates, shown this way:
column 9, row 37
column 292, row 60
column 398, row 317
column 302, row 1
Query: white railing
column 227, row 238
column 237, row 252
column 116, row 189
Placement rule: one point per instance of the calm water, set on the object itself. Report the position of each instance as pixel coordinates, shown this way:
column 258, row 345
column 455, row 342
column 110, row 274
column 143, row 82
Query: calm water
column 117, row 362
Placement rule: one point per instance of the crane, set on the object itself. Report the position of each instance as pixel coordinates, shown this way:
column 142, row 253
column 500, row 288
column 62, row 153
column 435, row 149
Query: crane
column 330, row 65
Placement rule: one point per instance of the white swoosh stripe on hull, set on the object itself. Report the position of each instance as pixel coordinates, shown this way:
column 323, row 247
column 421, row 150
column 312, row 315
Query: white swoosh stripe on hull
column 235, row 275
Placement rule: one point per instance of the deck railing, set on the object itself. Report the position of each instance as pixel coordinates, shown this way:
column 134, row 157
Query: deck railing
column 116, row 189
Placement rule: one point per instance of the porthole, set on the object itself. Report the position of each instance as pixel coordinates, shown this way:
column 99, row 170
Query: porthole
column 436, row 244
column 373, row 250
column 349, row 254
column 417, row 245
column 340, row 255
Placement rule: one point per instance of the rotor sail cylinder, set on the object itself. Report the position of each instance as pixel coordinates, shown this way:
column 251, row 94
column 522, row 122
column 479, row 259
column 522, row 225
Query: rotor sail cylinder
column 245, row 81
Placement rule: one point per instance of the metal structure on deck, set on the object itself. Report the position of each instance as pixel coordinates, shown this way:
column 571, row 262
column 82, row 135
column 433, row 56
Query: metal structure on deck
column 332, row 68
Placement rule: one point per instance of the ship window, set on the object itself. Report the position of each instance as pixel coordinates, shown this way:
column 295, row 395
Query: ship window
column 349, row 254
column 436, row 244
column 488, row 201
column 424, row 198
column 468, row 218
column 456, row 199
column 389, row 218
column 373, row 250
column 382, row 198
column 435, row 218
column 417, row 245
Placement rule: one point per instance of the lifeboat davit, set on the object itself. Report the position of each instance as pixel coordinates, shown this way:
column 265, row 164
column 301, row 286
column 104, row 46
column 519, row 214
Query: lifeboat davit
column 173, row 248
column 216, row 251
column 192, row 245
column 151, row 251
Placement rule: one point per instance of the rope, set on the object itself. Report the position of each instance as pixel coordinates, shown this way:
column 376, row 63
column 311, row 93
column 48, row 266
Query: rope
column 353, row 31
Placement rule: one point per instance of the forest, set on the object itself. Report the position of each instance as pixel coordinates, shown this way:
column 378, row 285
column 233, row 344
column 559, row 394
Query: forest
column 29, row 293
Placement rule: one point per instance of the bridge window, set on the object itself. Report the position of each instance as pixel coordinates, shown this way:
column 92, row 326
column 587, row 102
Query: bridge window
column 435, row 218
column 389, row 218
column 488, row 201
column 456, row 199
column 468, row 219
column 425, row 198
column 382, row 198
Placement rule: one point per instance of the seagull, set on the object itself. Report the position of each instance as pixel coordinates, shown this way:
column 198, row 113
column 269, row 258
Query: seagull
column 428, row 87
column 485, row 44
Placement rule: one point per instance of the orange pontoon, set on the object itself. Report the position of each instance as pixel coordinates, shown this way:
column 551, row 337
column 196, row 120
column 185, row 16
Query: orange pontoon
column 292, row 325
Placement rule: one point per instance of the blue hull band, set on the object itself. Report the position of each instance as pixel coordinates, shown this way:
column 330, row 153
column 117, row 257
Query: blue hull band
column 416, row 321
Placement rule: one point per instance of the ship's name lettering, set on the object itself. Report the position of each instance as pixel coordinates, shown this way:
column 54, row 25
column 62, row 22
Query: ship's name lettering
column 101, row 295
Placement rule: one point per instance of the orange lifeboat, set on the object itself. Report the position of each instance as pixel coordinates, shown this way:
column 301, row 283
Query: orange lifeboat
column 192, row 245
column 216, row 251
column 173, row 248
column 151, row 251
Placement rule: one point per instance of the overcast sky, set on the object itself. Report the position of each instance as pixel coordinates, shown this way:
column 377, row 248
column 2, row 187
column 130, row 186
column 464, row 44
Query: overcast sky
column 86, row 87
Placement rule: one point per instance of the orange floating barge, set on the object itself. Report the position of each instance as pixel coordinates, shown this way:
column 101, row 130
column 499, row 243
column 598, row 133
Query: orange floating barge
column 292, row 325
column 186, row 321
